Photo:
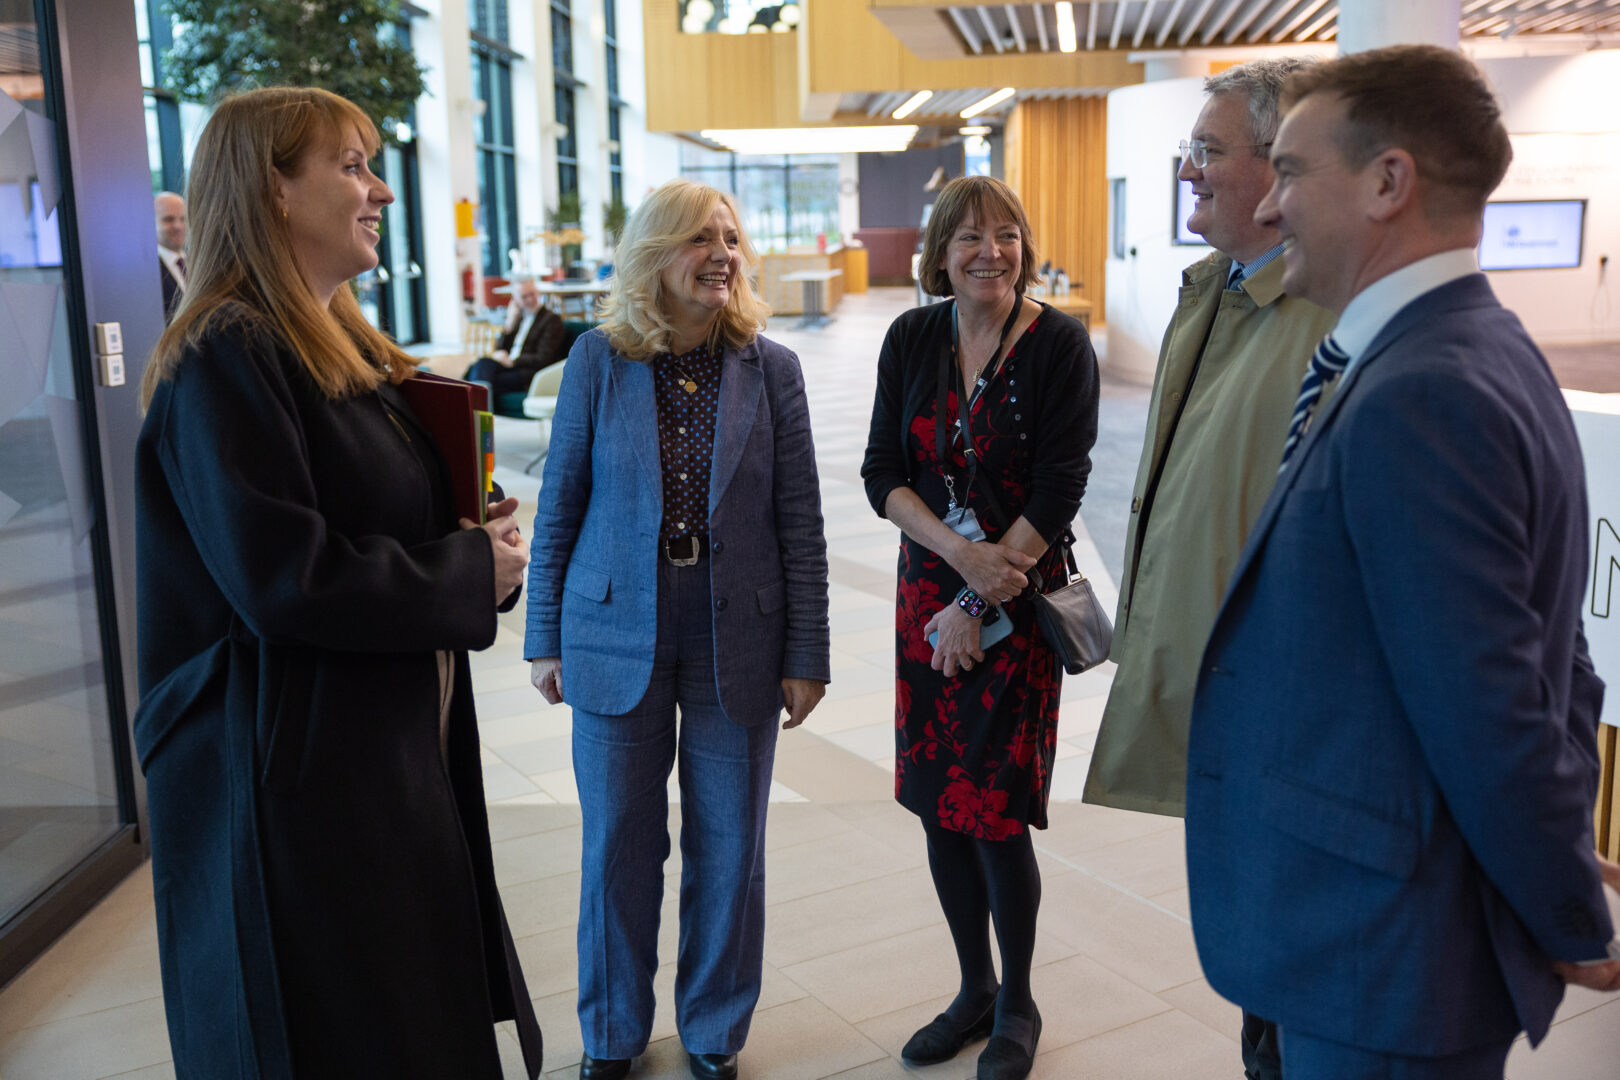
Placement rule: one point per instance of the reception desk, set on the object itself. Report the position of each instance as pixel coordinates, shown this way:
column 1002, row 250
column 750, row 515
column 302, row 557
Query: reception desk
column 1597, row 423
column 787, row 297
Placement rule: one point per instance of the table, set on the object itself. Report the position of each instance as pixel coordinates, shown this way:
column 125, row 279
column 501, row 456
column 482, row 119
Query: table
column 814, row 281
column 1071, row 305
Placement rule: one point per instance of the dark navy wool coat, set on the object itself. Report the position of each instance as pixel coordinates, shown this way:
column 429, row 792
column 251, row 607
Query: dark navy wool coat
column 325, row 891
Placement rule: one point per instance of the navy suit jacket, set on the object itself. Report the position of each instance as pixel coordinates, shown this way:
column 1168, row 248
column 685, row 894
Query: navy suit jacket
column 1393, row 748
column 593, row 565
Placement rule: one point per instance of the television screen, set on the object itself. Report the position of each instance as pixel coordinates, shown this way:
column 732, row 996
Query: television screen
column 1183, row 205
column 1532, row 235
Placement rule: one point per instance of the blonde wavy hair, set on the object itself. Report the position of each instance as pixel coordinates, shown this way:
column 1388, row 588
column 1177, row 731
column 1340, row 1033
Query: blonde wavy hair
column 240, row 262
column 633, row 315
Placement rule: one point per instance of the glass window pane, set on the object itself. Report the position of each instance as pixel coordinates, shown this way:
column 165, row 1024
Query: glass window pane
column 58, row 778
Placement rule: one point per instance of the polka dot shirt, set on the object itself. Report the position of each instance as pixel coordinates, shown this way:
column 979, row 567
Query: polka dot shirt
column 688, row 391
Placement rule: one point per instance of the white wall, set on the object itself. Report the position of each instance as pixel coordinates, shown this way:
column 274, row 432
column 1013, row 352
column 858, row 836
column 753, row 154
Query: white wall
column 444, row 147
column 1561, row 112
column 649, row 158
column 1566, row 145
column 1145, row 122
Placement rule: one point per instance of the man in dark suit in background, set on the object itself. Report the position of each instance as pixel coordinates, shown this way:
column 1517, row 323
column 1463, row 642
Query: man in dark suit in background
column 169, row 210
column 532, row 340
column 1393, row 758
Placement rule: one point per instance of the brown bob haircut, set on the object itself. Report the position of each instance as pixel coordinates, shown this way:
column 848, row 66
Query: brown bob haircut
column 987, row 199
column 240, row 262
column 1431, row 102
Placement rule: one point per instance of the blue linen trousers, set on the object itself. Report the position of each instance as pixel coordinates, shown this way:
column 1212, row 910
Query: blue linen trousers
column 621, row 766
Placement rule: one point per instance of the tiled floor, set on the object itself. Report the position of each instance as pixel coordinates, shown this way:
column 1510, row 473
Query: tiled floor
column 857, row 955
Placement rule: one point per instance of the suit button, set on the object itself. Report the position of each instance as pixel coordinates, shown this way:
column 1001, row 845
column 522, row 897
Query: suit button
column 718, row 546
column 720, row 604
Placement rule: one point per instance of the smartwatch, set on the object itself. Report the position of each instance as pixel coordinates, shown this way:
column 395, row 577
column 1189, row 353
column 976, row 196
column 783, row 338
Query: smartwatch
column 971, row 602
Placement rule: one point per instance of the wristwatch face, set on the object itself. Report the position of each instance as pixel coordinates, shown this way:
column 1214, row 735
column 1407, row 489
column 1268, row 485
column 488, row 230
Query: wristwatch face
column 972, row 603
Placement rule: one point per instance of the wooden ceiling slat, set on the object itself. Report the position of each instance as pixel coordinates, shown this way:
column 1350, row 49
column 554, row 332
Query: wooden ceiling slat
column 1142, row 24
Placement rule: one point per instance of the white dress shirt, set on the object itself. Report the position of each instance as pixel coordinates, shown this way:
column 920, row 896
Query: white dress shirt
column 171, row 259
column 1371, row 309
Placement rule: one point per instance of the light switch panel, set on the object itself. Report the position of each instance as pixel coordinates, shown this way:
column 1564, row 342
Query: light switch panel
column 112, row 368
column 109, row 338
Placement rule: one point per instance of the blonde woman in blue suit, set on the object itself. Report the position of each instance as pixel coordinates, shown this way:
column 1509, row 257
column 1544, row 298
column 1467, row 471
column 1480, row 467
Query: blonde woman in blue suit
column 679, row 561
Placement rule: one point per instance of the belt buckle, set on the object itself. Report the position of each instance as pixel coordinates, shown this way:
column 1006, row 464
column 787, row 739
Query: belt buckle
column 690, row 543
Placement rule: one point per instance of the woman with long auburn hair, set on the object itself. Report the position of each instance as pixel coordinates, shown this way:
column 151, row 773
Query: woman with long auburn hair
column 325, row 890
column 680, row 563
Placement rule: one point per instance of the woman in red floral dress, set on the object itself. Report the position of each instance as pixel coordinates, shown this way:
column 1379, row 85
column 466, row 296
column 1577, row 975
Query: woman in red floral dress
column 976, row 725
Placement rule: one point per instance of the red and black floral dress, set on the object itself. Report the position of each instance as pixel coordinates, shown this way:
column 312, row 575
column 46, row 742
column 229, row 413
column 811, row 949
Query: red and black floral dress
column 974, row 753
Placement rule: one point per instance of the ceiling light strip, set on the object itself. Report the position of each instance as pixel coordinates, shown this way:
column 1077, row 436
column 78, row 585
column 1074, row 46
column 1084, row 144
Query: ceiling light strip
column 987, row 102
column 1065, row 26
column 912, row 104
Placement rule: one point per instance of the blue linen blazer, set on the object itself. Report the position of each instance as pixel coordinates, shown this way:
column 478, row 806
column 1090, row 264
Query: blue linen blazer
column 593, row 565
column 1393, row 747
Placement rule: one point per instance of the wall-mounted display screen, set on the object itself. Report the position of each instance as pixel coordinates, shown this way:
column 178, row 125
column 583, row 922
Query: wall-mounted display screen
column 1532, row 235
column 1182, row 206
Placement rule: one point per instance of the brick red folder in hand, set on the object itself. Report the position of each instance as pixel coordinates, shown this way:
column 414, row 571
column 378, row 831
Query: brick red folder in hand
column 449, row 409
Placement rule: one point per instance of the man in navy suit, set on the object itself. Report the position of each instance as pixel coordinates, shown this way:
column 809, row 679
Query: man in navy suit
column 1393, row 757
column 169, row 214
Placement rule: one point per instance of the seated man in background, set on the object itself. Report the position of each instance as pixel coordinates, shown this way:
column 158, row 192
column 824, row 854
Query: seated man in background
column 532, row 340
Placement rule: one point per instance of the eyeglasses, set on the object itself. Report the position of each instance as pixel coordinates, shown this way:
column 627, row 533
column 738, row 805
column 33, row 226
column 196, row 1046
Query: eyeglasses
column 1197, row 151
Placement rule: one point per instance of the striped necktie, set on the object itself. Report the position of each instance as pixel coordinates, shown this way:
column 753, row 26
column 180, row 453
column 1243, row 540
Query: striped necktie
column 1326, row 363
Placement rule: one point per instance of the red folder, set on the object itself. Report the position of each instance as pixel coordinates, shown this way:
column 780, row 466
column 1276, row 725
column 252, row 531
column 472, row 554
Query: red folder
column 451, row 411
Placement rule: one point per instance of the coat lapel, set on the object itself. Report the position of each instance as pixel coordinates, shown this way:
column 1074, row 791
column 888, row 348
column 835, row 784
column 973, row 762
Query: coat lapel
column 634, row 395
column 1463, row 292
column 741, row 383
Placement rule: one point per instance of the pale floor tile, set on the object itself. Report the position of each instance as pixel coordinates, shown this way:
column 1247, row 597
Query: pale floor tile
column 875, row 742
column 851, row 712
column 840, row 919
column 87, row 1047
column 1146, row 866
column 800, row 822
column 501, row 781
column 1584, row 1047
column 830, row 863
column 163, row 1071
column 1199, row 1001
column 1127, row 934
column 1169, row 1046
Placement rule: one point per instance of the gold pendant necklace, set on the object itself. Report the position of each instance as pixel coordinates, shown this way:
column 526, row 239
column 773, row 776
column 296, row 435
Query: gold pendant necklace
column 690, row 385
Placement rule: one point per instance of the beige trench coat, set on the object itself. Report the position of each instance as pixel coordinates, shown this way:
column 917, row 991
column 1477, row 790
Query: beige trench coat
column 1216, row 475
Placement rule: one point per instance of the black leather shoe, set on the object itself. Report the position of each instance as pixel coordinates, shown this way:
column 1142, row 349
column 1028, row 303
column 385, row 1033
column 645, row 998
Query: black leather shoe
column 941, row 1040
column 603, row 1068
column 713, row 1066
column 1005, row 1059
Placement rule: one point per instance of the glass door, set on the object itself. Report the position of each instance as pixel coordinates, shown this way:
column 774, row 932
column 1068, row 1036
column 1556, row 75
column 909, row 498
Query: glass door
column 61, row 793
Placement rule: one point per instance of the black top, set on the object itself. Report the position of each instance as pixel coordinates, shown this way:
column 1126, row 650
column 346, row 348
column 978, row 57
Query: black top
column 688, row 392
column 1055, row 432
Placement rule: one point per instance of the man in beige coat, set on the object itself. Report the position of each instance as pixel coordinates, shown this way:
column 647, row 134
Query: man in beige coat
column 1229, row 372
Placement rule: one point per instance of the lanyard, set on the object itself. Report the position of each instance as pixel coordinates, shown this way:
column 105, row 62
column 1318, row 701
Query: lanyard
column 950, row 370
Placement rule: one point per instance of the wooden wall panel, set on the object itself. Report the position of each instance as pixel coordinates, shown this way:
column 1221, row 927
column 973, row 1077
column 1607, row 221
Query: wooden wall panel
column 1056, row 156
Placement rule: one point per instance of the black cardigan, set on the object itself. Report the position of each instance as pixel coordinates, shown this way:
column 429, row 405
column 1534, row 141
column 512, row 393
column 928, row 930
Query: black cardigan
column 1057, row 360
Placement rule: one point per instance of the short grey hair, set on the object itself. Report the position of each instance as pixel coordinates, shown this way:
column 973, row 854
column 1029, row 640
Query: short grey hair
column 1262, row 82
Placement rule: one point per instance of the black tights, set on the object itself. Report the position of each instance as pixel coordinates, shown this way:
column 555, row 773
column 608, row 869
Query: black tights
column 979, row 881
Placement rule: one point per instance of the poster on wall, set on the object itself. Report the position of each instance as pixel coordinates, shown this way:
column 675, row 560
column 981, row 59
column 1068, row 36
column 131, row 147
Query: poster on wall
column 1597, row 423
column 1182, row 206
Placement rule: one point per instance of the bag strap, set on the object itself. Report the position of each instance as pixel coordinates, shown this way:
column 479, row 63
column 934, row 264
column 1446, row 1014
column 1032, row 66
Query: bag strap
column 950, row 365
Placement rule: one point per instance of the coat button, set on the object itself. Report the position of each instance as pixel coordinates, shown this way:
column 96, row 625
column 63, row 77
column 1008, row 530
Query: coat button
column 720, row 604
column 718, row 546
column 1136, row 504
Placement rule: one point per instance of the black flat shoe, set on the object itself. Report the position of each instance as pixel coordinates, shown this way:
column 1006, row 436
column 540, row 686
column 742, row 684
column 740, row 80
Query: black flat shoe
column 1005, row 1059
column 713, row 1066
column 941, row 1040
column 603, row 1068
